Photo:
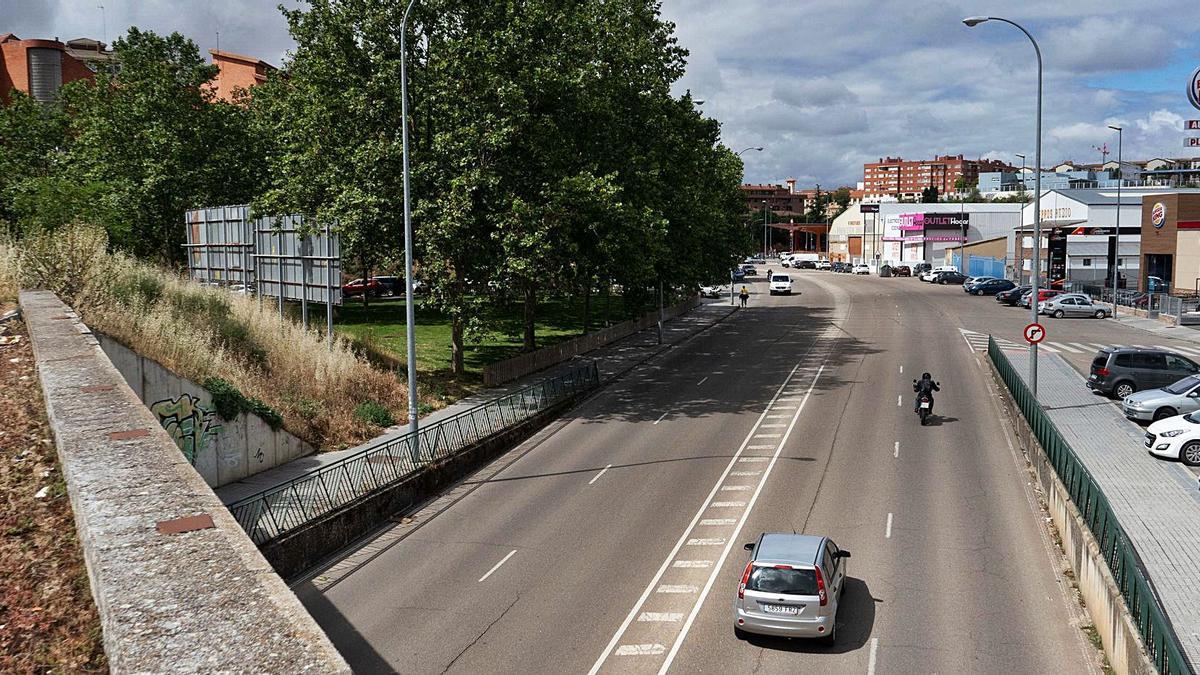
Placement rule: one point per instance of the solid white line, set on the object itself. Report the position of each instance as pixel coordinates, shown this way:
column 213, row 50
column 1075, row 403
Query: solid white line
column 597, row 476
column 871, row 660
column 687, row 625
column 612, row 644
column 722, row 505
column 660, row 418
column 901, row 370
column 497, row 566
column 666, row 617
column 897, row 452
column 888, row 535
column 702, row 381
column 640, row 650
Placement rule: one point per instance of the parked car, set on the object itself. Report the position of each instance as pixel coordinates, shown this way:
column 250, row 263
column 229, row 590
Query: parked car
column 921, row 268
column 976, row 280
column 739, row 274
column 862, row 269
column 1176, row 438
column 932, row 272
column 824, row 265
column 837, row 266
column 1073, row 304
column 948, row 277
column 1152, row 405
column 749, row 270
column 902, row 271
column 1121, row 371
column 713, row 291
column 1043, row 295
column 791, row 587
column 1013, row 296
column 781, row 284
column 805, row 264
column 989, row 287
column 358, row 287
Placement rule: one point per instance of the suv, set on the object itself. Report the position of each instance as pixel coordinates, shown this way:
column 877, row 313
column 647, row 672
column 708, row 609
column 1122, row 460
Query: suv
column 1120, row 371
column 791, row 587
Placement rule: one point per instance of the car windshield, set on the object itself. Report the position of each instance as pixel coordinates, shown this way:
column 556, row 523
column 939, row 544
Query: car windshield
column 1191, row 417
column 1182, row 386
column 786, row 581
column 780, row 277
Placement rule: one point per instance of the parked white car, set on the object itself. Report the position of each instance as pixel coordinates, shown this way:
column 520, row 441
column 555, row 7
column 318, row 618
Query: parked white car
column 929, row 275
column 824, row 265
column 862, row 269
column 1176, row 438
column 713, row 291
column 781, row 284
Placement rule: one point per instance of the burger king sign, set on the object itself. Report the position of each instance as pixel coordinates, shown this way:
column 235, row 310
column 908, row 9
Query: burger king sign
column 1158, row 215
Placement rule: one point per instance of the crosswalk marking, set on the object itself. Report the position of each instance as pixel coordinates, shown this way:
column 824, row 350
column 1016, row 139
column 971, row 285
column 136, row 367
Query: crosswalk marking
column 1063, row 346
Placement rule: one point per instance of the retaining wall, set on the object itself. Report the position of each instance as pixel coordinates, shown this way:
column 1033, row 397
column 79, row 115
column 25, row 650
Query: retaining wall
column 178, row 584
column 223, row 451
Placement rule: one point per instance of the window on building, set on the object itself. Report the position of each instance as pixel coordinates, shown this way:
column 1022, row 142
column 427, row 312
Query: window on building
column 1087, row 262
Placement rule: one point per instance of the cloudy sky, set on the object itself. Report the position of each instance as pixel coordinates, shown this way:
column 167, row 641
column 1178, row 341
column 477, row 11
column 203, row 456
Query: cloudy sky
column 826, row 85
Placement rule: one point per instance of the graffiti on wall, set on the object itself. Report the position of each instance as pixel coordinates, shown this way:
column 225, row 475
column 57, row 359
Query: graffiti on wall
column 190, row 424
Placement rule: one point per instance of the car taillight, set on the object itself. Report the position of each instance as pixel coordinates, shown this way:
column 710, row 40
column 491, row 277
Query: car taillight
column 821, row 587
column 745, row 579
column 1102, row 372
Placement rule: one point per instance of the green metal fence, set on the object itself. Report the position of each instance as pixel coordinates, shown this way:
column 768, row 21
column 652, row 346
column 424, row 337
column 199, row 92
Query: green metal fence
column 287, row 506
column 1122, row 559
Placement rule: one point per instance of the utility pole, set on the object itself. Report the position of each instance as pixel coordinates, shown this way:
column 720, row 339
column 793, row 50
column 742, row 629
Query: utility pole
column 1117, row 234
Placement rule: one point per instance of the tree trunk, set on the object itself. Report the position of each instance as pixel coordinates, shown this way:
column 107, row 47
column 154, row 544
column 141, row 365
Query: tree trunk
column 366, row 276
column 587, row 308
column 530, row 342
column 456, row 346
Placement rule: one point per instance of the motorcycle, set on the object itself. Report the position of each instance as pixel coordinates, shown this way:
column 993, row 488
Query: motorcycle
column 924, row 405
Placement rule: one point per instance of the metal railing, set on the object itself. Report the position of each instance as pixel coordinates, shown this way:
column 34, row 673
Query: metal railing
column 1122, row 559
column 287, row 506
column 1175, row 303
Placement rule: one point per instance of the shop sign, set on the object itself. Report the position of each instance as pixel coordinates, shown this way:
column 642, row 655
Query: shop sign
column 1060, row 213
column 868, row 208
column 1191, row 142
column 1191, row 125
column 1158, row 214
column 1193, row 91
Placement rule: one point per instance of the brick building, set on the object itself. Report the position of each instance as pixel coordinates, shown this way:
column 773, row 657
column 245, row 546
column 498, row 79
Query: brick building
column 40, row 67
column 783, row 201
column 236, row 71
column 900, row 178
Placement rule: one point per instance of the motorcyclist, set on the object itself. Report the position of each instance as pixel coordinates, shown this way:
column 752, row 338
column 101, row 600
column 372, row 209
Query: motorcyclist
column 924, row 387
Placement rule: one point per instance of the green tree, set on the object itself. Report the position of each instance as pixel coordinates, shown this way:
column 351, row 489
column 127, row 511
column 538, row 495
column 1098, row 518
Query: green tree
column 33, row 143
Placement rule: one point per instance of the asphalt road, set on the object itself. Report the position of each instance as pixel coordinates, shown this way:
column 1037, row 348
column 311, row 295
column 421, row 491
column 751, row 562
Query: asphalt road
column 612, row 542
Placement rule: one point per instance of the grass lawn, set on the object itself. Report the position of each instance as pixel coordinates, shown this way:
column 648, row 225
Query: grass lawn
column 381, row 325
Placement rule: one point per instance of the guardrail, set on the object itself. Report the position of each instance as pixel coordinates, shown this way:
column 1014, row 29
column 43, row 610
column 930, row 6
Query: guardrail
column 283, row 508
column 1119, row 554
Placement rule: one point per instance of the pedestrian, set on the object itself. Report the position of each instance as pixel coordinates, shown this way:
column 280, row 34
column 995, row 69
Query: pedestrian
column 744, row 295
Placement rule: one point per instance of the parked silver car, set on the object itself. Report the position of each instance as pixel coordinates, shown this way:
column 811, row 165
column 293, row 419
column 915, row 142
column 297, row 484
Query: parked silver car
column 1152, row 405
column 791, row 587
column 1073, row 304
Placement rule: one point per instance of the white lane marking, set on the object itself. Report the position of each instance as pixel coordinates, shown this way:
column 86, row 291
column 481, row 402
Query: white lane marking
column 687, row 625
column 660, row 418
column 753, row 459
column 897, row 452
column 726, row 505
column 497, row 565
column 1064, row 347
column 760, row 447
column 597, row 476
column 734, row 488
column 710, row 541
column 702, row 381
column 744, row 473
column 1081, row 345
column 777, row 417
column 718, row 521
column 705, row 564
column 678, row 588
column 766, row 435
column 1186, row 350
column 772, row 426
column 785, row 407
column 901, row 370
column 662, row 617
column 612, row 644
column 888, row 534
column 899, row 397
column 871, row 660
column 787, row 400
column 640, row 650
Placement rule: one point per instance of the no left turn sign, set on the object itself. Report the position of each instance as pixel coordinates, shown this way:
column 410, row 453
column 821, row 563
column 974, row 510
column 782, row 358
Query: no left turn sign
column 1034, row 333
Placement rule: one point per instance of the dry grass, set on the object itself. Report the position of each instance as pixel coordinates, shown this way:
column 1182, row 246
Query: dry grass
column 200, row 332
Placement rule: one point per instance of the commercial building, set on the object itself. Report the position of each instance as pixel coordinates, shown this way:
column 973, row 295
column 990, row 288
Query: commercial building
column 897, row 232
column 903, row 179
column 1170, row 246
column 40, row 67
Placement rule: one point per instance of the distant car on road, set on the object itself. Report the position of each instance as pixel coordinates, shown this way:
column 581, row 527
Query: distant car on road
column 862, row 269
column 824, row 265
column 931, row 273
column 713, row 291
column 1073, row 304
column 1121, row 371
column 358, row 287
column 750, row 270
column 902, row 271
column 791, row 587
column 804, row 264
column 1152, row 405
column 1012, row 297
column 948, row 277
column 1176, row 438
column 739, row 274
column 781, row 284
column 988, row 287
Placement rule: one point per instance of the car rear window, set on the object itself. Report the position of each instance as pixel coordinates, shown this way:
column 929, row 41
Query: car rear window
column 780, row 277
column 786, row 581
column 1100, row 361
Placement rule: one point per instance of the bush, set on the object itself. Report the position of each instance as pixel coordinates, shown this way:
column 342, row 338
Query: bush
column 374, row 413
column 230, row 402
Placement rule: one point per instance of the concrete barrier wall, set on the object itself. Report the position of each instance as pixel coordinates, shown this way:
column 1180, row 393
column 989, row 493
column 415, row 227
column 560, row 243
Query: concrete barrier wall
column 223, row 451
column 179, row 586
column 520, row 366
column 1101, row 596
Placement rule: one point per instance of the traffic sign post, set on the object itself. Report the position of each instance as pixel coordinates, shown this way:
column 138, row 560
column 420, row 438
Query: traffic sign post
column 1035, row 333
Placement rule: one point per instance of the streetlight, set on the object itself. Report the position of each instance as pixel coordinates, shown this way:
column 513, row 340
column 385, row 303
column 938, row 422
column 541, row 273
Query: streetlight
column 764, row 230
column 739, row 152
column 409, row 309
column 1022, row 168
column 1117, row 235
column 973, row 21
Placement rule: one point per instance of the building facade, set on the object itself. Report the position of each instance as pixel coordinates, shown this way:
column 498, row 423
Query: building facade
column 781, row 201
column 237, row 71
column 40, row 67
column 905, row 179
column 1170, row 246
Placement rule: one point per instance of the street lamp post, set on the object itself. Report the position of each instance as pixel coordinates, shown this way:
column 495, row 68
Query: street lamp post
column 973, row 21
column 1117, row 234
column 764, row 231
column 739, row 152
column 1016, row 246
column 409, row 309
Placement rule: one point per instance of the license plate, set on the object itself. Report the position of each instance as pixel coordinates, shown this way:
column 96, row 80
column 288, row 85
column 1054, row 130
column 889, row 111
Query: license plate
column 781, row 609
column 1091, row 377
column 924, row 404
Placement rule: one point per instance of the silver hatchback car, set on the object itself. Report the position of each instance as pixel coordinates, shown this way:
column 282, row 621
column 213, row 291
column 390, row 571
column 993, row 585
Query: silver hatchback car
column 1073, row 304
column 791, row 587
column 1152, row 405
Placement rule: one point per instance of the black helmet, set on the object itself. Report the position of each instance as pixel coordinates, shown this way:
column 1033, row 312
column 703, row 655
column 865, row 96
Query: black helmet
column 926, row 376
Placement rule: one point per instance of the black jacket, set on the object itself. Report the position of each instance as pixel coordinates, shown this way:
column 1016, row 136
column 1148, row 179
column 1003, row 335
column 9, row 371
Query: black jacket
column 926, row 386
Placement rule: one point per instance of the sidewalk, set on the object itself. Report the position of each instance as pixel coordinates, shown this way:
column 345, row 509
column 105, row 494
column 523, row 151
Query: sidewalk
column 613, row 360
column 1156, row 501
column 1159, row 328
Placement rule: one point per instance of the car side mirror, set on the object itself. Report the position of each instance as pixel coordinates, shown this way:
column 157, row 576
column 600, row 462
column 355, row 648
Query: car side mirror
column 749, row 547
column 842, row 554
